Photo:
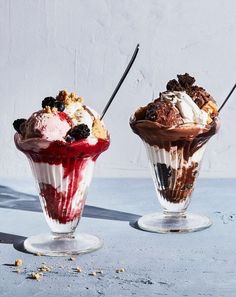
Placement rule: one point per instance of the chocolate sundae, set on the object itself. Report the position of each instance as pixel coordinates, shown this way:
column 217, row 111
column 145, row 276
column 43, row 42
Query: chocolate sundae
column 62, row 142
column 175, row 129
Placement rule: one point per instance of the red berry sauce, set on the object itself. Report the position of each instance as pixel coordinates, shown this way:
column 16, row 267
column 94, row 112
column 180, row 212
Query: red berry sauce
column 62, row 203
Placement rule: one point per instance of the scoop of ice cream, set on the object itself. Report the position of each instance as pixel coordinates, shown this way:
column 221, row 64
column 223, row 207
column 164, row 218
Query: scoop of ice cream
column 64, row 118
column 163, row 112
column 46, row 125
column 82, row 114
column 198, row 94
column 182, row 103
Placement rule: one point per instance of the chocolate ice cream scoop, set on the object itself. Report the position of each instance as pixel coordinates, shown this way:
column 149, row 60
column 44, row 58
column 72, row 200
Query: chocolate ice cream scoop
column 200, row 96
column 164, row 113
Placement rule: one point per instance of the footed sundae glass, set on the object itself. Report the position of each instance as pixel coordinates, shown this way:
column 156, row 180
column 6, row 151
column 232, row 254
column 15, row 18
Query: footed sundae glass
column 174, row 175
column 175, row 164
column 175, row 144
column 63, row 173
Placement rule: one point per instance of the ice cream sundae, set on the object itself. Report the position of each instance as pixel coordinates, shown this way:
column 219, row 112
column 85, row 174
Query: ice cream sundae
column 175, row 129
column 62, row 142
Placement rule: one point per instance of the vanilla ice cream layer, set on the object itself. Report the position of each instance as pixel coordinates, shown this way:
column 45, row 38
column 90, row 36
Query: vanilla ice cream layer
column 173, row 160
column 54, row 176
column 174, row 157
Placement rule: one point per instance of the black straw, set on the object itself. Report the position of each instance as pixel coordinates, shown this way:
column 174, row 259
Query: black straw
column 227, row 98
column 121, row 81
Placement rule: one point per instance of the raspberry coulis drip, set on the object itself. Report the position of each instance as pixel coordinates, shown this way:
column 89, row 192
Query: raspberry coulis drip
column 65, row 206
column 63, row 116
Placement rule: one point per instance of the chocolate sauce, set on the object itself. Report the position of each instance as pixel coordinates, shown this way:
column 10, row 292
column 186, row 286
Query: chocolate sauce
column 176, row 185
column 190, row 137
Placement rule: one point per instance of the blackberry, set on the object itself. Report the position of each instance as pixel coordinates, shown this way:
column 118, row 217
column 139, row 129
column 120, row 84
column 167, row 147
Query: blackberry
column 59, row 105
column 164, row 174
column 81, row 131
column 17, row 123
column 69, row 138
column 48, row 101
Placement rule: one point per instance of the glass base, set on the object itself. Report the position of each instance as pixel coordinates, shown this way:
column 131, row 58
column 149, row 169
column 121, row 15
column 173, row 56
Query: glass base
column 165, row 223
column 62, row 245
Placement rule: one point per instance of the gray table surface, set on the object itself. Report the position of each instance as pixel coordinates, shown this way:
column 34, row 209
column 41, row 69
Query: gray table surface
column 195, row 264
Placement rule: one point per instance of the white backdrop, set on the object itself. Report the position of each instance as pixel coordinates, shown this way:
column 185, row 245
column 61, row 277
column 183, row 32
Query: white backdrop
column 84, row 46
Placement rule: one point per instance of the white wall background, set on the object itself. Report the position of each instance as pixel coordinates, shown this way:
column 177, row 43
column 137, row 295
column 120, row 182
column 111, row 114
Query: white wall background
column 84, row 46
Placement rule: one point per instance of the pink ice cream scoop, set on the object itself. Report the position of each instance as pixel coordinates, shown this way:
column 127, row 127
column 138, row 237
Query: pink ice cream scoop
column 46, row 125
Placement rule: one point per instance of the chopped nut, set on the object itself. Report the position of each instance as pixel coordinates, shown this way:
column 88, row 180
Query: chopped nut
column 119, row 270
column 45, row 268
column 18, row 262
column 98, row 129
column 78, row 269
column 93, row 273
column 48, row 109
column 36, row 275
column 38, row 254
column 68, row 98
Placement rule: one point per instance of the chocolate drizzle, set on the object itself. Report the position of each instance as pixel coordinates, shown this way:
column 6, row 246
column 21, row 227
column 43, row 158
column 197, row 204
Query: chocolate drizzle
column 189, row 137
column 181, row 184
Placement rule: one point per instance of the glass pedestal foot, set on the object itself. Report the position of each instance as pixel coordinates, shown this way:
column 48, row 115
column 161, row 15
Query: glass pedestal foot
column 165, row 223
column 62, row 245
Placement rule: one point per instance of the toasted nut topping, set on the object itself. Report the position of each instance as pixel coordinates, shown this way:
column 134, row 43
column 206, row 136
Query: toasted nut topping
column 45, row 268
column 36, row 275
column 78, row 269
column 38, row 254
column 93, row 273
column 18, row 262
column 119, row 270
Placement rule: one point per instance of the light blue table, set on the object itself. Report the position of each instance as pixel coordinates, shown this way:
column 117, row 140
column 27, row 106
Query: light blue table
column 197, row 264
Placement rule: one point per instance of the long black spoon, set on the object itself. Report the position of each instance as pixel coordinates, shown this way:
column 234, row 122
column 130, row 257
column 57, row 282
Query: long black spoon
column 227, row 98
column 121, row 81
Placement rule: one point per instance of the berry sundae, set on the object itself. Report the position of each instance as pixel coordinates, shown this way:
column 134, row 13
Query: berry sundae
column 62, row 142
